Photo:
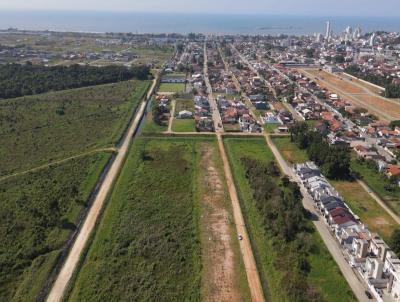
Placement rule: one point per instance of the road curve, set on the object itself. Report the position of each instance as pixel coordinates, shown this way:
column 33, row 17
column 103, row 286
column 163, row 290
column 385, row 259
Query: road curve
column 256, row 291
column 64, row 276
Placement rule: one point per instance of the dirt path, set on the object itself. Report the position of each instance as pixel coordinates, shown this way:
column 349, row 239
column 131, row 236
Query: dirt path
column 63, row 278
column 171, row 119
column 58, row 162
column 220, row 280
column 253, row 278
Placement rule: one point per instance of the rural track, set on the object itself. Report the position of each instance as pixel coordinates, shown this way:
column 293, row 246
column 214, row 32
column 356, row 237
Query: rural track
column 253, row 278
column 57, row 162
column 62, row 280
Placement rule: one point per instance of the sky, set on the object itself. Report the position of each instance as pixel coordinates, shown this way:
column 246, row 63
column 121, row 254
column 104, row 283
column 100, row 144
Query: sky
column 267, row 7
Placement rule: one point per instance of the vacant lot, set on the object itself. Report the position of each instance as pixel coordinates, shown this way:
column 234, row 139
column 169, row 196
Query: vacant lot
column 171, row 87
column 384, row 108
column 366, row 208
column 183, row 125
column 147, row 246
column 38, row 213
column 324, row 275
column 379, row 183
column 152, row 55
column 184, row 104
column 290, row 151
column 37, row 129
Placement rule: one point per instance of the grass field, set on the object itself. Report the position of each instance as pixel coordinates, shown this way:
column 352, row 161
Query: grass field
column 183, row 104
column 152, row 55
column 377, row 182
column 324, row 273
column 147, row 245
column 38, row 213
column 171, row 87
column 290, row 151
column 183, row 125
column 151, row 127
column 270, row 128
column 366, row 208
column 37, row 129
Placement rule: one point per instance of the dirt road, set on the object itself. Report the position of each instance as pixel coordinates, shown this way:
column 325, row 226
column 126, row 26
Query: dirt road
column 253, row 278
column 63, row 278
column 171, row 118
column 355, row 284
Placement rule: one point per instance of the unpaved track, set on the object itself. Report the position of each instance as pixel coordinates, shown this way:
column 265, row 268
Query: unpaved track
column 63, row 278
column 253, row 278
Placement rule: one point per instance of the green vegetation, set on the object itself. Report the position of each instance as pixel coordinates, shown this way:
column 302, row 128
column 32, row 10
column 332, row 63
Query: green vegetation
column 270, row 128
column 37, row 129
column 150, row 126
column 355, row 196
column 171, row 87
column 147, row 246
column 377, row 181
column 154, row 55
column 294, row 263
column 289, row 150
column 184, row 125
column 183, row 104
column 18, row 80
column 39, row 211
column 333, row 160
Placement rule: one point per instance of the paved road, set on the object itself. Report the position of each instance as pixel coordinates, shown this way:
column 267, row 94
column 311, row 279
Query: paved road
column 213, row 104
column 256, row 291
column 63, row 278
column 356, row 285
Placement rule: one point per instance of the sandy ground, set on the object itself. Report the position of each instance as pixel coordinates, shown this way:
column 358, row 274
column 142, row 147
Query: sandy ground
column 219, row 282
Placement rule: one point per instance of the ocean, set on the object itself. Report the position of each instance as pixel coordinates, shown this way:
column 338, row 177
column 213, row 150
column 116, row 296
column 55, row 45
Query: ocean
column 186, row 23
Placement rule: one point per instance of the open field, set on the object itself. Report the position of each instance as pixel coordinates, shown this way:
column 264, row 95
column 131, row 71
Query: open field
column 152, row 55
column 183, row 125
column 147, row 245
column 366, row 208
column 290, row 151
column 37, row 129
column 378, row 182
column 386, row 109
column 151, row 127
column 324, row 274
column 39, row 212
column 270, row 128
column 370, row 87
column 171, row 87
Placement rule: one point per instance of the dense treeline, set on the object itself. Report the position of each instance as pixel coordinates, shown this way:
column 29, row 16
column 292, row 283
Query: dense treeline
column 333, row 160
column 285, row 220
column 392, row 90
column 19, row 80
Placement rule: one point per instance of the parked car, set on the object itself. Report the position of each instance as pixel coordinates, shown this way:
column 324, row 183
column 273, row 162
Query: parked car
column 368, row 294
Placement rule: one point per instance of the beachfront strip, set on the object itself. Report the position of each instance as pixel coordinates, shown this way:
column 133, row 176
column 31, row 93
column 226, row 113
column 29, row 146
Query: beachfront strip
column 369, row 256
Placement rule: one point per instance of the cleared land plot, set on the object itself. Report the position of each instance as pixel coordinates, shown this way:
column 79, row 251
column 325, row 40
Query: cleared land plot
column 152, row 55
column 38, row 213
column 184, row 125
column 343, row 85
column 386, row 109
column 370, row 87
column 223, row 275
column 366, row 208
column 147, row 245
column 171, row 87
column 38, row 129
column 379, row 183
column 324, row 274
column 151, row 127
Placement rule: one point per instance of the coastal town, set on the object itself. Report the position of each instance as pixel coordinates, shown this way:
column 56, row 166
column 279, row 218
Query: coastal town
column 289, row 144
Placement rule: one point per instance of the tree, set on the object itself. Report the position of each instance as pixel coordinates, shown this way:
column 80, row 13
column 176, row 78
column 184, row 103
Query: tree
column 394, row 241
